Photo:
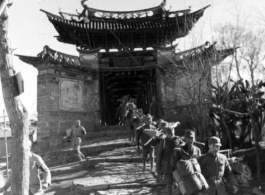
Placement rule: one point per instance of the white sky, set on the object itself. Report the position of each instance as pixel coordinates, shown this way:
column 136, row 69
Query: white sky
column 30, row 29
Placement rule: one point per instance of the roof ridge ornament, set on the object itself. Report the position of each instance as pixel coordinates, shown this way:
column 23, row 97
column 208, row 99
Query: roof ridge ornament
column 96, row 13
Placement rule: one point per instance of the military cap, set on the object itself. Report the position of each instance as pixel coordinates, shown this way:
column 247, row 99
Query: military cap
column 163, row 124
column 148, row 116
column 214, row 140
column 189, row 133
column 169, row 130
column 160, row 120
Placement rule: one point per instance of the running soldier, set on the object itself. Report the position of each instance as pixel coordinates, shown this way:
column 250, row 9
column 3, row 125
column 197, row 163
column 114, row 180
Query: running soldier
column 78, row 132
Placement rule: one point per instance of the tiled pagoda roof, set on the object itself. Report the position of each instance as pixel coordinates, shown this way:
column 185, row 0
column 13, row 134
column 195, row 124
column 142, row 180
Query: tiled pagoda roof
column 58, row 59
column 128, row 33
column 205, row 52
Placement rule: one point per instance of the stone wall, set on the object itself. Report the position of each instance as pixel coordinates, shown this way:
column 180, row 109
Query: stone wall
column 177, row 91
column 62, row 98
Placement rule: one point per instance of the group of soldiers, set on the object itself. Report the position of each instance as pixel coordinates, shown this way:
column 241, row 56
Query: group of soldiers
column 158, row 143
column 166, row 150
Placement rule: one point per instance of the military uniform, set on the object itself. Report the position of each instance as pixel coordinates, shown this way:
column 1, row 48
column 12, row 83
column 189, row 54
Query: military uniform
column 148, row 148
column 185, row 152
column 163, row 160
column 35, row 185
column 214, row 168
column 155, row 110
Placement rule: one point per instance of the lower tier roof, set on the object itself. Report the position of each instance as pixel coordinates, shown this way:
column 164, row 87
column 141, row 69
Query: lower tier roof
column 65, row 61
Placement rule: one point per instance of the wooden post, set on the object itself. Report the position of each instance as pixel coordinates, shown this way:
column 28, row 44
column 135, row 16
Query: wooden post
column 17, row 113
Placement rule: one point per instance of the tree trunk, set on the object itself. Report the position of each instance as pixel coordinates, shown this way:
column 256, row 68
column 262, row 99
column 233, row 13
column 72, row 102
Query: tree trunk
column 17, row 115
column 256, row 138
column 227, row 132
column 245, row 131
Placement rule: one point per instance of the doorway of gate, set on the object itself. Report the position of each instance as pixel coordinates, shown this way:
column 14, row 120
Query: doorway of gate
column 136, row 82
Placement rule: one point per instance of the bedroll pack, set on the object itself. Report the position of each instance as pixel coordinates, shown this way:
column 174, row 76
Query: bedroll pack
column 190, row 174
column 179, row 182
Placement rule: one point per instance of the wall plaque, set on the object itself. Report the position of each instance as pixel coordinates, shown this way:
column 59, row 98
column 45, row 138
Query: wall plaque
column 71, row 95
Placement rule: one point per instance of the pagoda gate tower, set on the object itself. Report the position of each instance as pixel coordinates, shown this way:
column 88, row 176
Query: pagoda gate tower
column 120, row 53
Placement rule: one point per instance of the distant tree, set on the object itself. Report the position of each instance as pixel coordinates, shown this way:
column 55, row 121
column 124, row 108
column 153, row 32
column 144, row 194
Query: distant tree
column 248, row 62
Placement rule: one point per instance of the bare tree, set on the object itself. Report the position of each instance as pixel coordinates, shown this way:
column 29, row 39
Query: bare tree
column 249, row 64
column 189, row 72
column 230, row 36
column 16, row 112
column 253, row 50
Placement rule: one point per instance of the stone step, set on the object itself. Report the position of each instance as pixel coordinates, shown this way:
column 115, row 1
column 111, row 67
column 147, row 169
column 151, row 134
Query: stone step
column 90, row 162
column 155, row 190
column 115, row 175
column 106, row 134
column 113, row 127
column 65, row 156
column 97, row 136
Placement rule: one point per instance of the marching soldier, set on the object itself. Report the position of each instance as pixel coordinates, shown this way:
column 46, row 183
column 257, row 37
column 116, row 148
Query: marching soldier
column 147, row 145
column 215, row 167
column 121, row 112
column 163, row 159
column 155, row 109
column 78, row 132
column 186, row 151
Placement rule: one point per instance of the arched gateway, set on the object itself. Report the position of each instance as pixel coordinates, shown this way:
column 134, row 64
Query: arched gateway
column 87, row 86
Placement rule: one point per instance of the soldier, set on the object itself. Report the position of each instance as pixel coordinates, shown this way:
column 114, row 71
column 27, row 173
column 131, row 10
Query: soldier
column 214, row 167
column 163, row 159
column 187, row 151
column 35, row 184
column 78, row 132
column 121, row 112
column 147, row 145
column 155, row 109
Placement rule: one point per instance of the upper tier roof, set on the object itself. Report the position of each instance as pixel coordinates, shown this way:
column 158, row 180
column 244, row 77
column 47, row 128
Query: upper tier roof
column 110, row 33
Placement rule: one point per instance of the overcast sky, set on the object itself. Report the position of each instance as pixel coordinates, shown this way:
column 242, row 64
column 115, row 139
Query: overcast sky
column 30, row 29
